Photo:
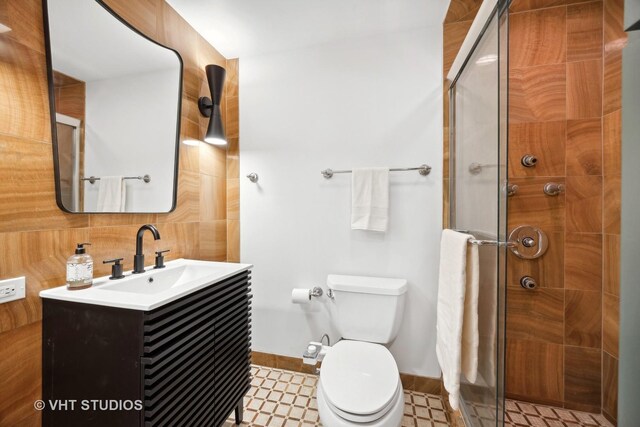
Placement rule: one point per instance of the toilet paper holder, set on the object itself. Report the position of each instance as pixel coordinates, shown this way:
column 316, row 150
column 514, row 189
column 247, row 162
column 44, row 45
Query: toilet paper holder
column 316, row 291
column 305, row 295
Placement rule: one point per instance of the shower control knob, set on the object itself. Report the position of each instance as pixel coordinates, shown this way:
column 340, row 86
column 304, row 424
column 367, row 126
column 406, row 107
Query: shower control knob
column 529, row 160
column 528, row 282
column 528, row 242
column 553, row 188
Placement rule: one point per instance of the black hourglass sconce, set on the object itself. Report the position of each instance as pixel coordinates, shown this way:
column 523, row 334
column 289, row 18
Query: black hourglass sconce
column 210, row 107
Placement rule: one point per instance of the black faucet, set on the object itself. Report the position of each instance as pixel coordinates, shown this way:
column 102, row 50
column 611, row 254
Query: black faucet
column 138, row 259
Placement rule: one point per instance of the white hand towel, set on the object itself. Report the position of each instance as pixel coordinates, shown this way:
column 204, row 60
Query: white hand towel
column 457, row 343
column 370, row 199
column 112, row 194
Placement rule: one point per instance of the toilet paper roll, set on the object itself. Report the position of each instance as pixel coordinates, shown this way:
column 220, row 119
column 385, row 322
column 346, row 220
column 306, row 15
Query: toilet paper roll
column 300, row 296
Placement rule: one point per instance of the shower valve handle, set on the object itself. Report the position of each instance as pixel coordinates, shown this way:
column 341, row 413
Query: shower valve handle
column 528, row 160
column 553, row 188
column 528, row 282
column 526, row 238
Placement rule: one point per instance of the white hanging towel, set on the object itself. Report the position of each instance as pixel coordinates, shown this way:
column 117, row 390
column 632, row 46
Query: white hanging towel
column 112, row 194
column 370, row 199
column 457, row 312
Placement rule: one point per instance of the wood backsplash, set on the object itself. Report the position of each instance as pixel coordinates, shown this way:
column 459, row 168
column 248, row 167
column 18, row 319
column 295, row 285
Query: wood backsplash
column 36, row 237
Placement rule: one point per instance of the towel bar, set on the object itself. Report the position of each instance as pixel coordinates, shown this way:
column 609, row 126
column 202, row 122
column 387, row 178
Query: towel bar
column 92, row 179
column 492, row 243
column 423, row 170
column 481, row 242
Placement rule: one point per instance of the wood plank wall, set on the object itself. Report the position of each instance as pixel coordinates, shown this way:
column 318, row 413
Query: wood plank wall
column 565, row 90
column 36, row 237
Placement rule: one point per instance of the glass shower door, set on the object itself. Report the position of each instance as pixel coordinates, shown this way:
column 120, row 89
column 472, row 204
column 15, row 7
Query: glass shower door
column 478, row 205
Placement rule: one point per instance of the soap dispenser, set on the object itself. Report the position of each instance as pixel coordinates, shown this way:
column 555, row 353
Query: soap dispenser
column 80, row 269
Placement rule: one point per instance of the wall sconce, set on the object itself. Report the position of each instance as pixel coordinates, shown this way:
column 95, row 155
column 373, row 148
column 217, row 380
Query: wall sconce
column 210, row 107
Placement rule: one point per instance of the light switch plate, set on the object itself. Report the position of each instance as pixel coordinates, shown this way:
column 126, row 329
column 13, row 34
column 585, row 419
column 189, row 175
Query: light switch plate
column 12, row 289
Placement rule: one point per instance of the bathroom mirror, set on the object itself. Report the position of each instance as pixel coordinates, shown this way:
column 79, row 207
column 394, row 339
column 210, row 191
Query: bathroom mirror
column 115, row 106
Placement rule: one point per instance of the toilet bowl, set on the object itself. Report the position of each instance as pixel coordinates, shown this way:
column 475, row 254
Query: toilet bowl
column 359, row 379
column 360, row 386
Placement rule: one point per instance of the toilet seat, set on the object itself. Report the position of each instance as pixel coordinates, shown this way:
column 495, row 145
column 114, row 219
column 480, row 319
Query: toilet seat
column 360, row 381
column 355, row 419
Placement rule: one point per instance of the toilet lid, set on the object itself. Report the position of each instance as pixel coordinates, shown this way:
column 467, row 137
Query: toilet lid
column 359, row 377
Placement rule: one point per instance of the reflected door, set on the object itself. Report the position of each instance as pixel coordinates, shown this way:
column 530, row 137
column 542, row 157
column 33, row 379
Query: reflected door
column 68, row 130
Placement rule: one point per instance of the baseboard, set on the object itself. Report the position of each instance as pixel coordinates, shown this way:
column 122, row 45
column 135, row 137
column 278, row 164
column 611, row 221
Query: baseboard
column 611, row 419
column 534, row 399
column 282, row 362
column 592, row 409
column 421, row 384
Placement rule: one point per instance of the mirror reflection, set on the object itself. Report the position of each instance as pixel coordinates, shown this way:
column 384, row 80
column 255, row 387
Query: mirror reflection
column 116, row 102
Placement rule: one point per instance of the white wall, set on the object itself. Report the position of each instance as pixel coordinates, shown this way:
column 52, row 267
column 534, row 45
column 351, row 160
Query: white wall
column 363, row 102
column 130, row 130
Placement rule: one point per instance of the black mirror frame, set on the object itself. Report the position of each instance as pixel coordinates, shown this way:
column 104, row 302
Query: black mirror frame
column 52, row 110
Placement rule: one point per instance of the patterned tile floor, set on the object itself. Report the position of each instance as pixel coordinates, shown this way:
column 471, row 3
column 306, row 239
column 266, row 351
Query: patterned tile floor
column 522, row 414
column 280, row 398
column 527, row 414
column 284, row 398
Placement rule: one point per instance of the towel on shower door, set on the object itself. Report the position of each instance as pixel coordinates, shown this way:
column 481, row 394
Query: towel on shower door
column 370, row 199
column 457, row 312
column 112, row 194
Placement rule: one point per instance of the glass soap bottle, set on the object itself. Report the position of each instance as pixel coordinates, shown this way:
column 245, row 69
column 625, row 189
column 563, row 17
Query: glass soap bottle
column 80, row 269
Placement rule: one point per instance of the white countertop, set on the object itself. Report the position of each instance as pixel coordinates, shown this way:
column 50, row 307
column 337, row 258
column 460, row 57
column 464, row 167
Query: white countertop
column 151, row 289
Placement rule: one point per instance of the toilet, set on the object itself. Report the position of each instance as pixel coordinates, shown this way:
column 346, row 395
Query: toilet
column 359, row 379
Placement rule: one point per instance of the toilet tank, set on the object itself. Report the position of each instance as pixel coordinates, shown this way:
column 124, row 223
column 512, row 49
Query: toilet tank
column 367, row 308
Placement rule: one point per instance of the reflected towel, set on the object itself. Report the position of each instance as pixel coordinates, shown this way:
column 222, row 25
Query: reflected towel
column 370, row 199
column 111, row 194
column 470, row 328
column 487, row 315
column 457, row 317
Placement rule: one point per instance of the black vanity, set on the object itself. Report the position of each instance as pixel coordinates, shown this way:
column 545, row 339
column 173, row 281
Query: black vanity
column 185, row 363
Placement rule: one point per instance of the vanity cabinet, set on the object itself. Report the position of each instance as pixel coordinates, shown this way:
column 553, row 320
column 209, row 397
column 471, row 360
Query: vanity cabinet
column 184, row 363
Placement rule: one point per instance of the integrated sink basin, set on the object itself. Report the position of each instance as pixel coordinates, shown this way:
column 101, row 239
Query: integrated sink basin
column 151, row 289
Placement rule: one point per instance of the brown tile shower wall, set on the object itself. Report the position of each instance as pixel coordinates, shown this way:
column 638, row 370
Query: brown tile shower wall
column 565, row 90
column 614, row 41
column 36, row 237
column 564, row 108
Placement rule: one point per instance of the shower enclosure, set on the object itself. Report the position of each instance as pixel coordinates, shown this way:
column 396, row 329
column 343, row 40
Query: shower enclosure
column 478, row 195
